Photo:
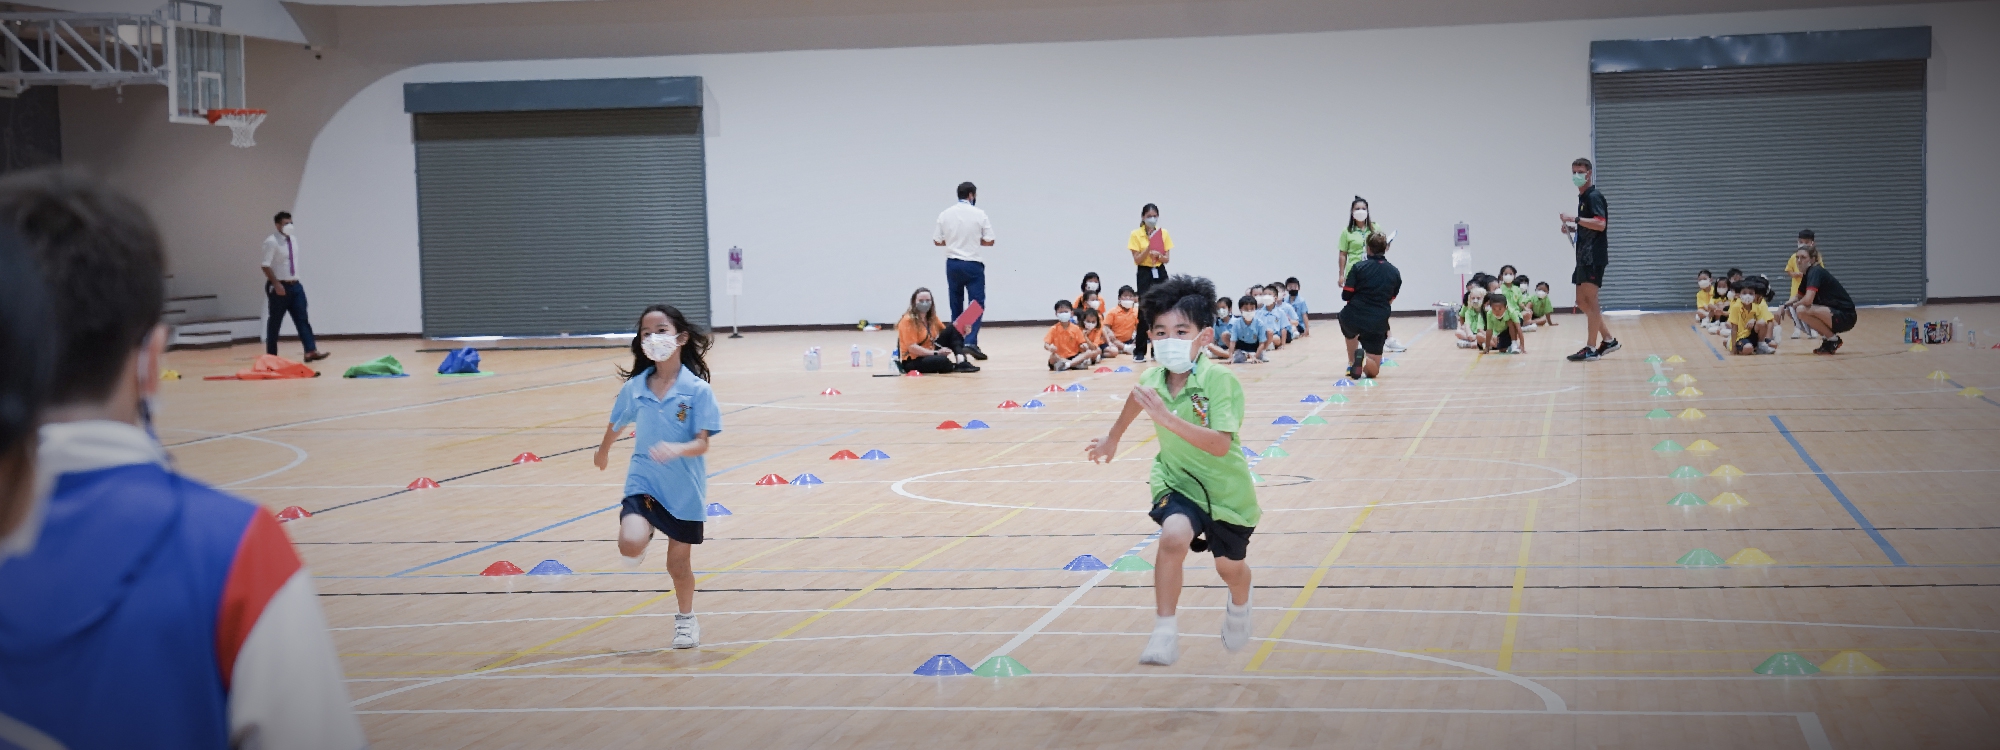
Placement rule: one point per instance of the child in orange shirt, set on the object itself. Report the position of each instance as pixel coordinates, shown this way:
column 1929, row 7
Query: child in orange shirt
column 1123, row 320
column 1065, row 341
column 1093, row 332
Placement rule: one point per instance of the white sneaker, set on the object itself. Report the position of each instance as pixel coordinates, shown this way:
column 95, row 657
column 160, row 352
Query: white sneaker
column 687, row 632
column 1527, row 326
column 1236, row 625
column 1238, row 359
column 1763, row 348
column 1515, row 348
column 1463, row 344
column 1061, row 365
column 1795, row 333
column 1392, row 345
column 1164, row 647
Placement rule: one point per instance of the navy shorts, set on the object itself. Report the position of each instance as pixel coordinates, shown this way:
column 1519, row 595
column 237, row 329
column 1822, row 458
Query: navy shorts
column 644, row 506
column 1227, row 540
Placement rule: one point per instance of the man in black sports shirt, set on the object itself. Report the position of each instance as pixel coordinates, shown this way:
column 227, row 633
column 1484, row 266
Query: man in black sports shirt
column 1593, row 253
column 1371, row 284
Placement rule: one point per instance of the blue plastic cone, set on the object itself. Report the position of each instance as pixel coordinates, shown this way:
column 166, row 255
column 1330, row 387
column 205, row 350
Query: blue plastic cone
column 1343, row 383
column 1287, row 419
column 550, row 568
column 1076, row 388
column 1247, row 453
column 804, row 479
column 943, row 665
column 1122, row 368
column 977, row 425
column 1311, row 399
column 1033, row 403
column 716, row 509
column 1086, row 562
column 874, row 456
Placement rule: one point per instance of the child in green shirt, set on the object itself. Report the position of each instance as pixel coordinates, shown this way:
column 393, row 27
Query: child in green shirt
column 1543, row 308
column 1503, row 327
column 1201, row 484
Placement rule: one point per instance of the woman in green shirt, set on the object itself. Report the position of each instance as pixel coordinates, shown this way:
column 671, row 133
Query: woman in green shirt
column 1354, row 241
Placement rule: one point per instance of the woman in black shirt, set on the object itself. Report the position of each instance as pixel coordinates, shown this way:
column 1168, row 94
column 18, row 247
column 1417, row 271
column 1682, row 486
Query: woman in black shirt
column 1372, row 283
column 1822, row 304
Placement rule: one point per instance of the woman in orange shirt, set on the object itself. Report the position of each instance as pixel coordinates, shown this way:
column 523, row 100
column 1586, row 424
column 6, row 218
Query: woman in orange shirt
column 1150, row 246
column 927, row 344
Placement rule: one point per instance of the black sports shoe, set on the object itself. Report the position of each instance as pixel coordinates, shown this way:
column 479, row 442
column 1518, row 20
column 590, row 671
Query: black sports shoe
column 1585, row 354
column 976, row 353
column 1607, row 347
column 965, row 367
column 1826, row 347
column 1354, row 370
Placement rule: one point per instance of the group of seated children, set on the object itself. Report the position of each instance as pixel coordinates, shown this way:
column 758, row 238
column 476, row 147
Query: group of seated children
column 1497, row 311
column 1737, row 309
column 1088, row 330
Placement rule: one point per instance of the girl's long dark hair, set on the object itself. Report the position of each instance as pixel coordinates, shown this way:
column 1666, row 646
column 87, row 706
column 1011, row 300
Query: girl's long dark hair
column 692, row 353
column 1362, row 203
column 1084, row 285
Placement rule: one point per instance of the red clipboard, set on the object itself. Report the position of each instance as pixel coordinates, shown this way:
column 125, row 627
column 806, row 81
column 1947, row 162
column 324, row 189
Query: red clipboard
column 969, row 317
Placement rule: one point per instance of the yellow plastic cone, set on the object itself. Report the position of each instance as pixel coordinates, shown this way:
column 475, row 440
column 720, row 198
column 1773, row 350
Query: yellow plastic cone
column 1676, row 358
column 1702, row 446
column 1750, row 556
column 1935, row 375
column 170, row 374
column 1685, row 379
column 1728, row 499
column 1727, row 471
column 1692, row 414
column 1851, row 662
column 1919, row 348
column 1689, row 392
column 1972, row 393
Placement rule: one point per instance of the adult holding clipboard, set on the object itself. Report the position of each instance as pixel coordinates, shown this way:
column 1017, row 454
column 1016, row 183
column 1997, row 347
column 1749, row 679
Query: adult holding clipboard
column 1151, row 247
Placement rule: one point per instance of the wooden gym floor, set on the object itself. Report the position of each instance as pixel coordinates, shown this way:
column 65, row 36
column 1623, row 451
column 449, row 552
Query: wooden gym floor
column 1479, row 551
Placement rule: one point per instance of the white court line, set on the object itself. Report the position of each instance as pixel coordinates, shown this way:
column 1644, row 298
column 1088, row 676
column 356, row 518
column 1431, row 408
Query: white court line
column 1066, row 603
column 299, row 455
column 390, row 410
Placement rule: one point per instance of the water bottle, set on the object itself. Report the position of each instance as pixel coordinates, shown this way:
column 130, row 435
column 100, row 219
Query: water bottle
column 854, row 355
column 1954, row 329
column 812, row 358
column 870, row 355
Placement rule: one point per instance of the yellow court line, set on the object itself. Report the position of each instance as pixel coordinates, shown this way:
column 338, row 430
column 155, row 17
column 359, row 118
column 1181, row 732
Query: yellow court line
column 1050, row 431
column 601, row 622
column 1472, row 364
column 1520, row 582
column 1426, row 428
column 866, row 590
column 1312, row 585
column 1548, row 420
column 1128, row 451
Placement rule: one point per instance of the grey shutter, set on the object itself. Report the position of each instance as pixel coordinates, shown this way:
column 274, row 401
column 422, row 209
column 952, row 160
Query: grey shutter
column 1721, row 168
column 560, row 222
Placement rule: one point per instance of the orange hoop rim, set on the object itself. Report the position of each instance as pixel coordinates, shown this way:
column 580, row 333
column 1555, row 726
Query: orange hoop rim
column 216, row 115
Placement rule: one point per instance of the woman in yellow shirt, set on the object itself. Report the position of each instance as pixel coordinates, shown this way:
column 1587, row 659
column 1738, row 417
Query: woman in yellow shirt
column 1151, row 247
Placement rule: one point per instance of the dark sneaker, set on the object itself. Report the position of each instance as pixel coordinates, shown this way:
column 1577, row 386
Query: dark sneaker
column 316, row 356
column 965, row 367
column 1826, row 347
column 1607, row 347
column 1585, row 354
column 1836, row 342
column 976, row 353
column 1354, row 370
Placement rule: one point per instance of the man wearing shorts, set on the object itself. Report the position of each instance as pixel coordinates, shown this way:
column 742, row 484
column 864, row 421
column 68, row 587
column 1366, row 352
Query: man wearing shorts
column 1372, row 283
column 1593, row 253
column 1822, row 304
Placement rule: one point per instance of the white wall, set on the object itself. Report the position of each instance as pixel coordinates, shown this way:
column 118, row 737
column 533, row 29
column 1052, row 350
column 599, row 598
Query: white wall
column 829, row 167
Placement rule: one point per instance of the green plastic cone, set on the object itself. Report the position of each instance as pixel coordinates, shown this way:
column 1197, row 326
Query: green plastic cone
column 1004, row 666
column 1653, row 359
column 1367, row 383
column 1314, row 419
column 1657, row 380
column 1336, row 399
column 1131, row 564
column 1699, row 558
column 1256, row 478
column 1685, row 472
column 1662, row 391
column 1687, row 498
column 1668, row 446
column 1274, row 452
column 1659, row 414
column 1390, row 363
column 1786, row 663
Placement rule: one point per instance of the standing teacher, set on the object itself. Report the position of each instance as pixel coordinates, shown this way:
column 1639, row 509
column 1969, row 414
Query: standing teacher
column 1593, row 252
column 283, row 292
column 961, row 231
column 1151, row 246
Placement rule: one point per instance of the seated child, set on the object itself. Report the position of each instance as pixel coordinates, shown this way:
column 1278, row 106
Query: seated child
column 1288, row 319
column 1298, row 305
column 1543, row 308
column 1248, row 334
column 1503, row 326
column 1704, row 299
column 1123, row 320
column 1524, row 302
column 1221, row 348
column 1730, row 305
column 1271, row 326
column 1471, row 319
column 1065, row 341
column 1752, row 324
column 1093, row 333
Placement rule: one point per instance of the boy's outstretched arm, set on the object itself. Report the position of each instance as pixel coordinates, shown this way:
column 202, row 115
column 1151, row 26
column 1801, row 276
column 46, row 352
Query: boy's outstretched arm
column 1103, row 449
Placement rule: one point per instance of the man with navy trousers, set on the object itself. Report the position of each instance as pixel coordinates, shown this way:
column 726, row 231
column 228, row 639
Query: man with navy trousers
column 283, row 291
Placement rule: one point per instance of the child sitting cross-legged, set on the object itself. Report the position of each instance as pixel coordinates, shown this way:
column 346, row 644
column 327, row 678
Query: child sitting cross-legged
column 1065, row 341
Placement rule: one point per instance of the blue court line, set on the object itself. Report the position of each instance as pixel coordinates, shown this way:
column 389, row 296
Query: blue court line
column 1895, row 557
column 1704, row 339
column 566, row 522
column 1962, row 386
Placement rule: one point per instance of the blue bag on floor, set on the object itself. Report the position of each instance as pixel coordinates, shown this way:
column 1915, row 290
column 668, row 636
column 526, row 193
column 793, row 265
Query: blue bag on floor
column 460, row 362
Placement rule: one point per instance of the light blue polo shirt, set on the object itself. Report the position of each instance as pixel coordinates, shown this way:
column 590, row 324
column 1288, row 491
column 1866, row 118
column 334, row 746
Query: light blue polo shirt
column 1299, row 307
column 1247, row 331
column 1268, row 321
column 681, row 484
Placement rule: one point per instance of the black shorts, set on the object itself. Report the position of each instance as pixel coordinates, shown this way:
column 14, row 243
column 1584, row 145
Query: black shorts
column 1371, row 341
column 685, row 532
column 1226, row 540
column 1593, row 275
column 1505, row 341
column 1843, row 321
column 1245, row 346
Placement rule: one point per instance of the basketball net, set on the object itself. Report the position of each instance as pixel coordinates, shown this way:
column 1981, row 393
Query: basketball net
column 242, row 124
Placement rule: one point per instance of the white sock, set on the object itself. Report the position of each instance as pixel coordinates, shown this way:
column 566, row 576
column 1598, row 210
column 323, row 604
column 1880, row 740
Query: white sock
column 1168, row 623
column 633, row 563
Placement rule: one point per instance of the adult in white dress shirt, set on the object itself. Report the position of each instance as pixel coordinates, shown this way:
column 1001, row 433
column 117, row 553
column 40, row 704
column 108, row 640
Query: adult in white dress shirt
column 283, row 291
column 962, row 230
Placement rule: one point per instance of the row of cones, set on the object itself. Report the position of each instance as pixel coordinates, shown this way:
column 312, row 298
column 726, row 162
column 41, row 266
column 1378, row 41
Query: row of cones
column 1664, row 414
column 1011, row 404
column 1726, row 499
column 1313, row 399
column 1702, row 558
column 1698, row 446
column 946, row 665
column 1655, row 359
column 1311, row 419
column 970, row 425
column 1725, row 471
column 769, row 480
column 848, row 455
column 1125, row 564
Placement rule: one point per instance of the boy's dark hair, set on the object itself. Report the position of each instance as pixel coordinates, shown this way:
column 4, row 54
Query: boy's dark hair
column 1521, row 279
column 1805, row 234
column 1246, row 303
column 1290, row 280
column 105, row 273
column 966, row 190
column 1225, row 301
column 693, row 353
column 282, row 216
column 1062, row 304
column 1377, row 244
column 1585, row 163
column 1540, row 284
column 1703, row 272
column 26, row 345
column 1127, row 288
column 1733, row 272
column 1193, row 296
column 1089, row 313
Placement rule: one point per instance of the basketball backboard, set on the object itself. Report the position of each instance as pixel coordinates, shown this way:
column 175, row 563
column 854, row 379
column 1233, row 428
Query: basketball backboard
column 204, row 63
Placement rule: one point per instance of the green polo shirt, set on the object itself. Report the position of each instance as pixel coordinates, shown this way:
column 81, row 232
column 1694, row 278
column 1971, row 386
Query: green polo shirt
column 1474, row 318
column 1498, row 323
column 1354, row 243
column 1542, row 306
column 1221, row 485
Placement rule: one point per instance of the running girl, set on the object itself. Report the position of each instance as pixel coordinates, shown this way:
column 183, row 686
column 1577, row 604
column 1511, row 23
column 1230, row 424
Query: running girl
column 667, row 395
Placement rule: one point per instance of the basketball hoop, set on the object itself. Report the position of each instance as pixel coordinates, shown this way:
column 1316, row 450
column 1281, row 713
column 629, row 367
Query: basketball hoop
column 242, row 124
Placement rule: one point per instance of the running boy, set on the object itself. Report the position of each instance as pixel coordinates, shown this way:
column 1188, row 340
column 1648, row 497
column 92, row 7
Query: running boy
column 1201, row 485
column 1065, row 341
column 666, row 483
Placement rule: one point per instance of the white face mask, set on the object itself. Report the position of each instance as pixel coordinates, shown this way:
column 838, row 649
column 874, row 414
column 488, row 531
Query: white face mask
column 660, row 347
column 1732, row 295
column 1174, row 354
column 1090, row 326
column 1705, row 283
column 924, row 306
column 1265, row 299
column 1090, row 286
column 1542, row 293
column 1125, row 303
column 1222, row 314
column 1151, row 221
column 1065, row 317
column 1361, row 215
column 1478, row 293
column 287, row 229
column 1507, row 279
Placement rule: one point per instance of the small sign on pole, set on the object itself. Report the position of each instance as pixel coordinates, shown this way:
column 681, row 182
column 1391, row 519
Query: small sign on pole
column 1461, row 254
column 734, row 282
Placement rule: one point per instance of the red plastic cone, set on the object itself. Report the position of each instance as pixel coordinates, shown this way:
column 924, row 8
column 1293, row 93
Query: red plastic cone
column 293, row 513
column 1009, row 404
column 771, row 479
column 844, row 455
column 1102, row 370
column 527, row 458
column 949, row 425
column 423, row 483
column 913, row 374
column 1052, row 389
column 829, row 392
column 502, row 568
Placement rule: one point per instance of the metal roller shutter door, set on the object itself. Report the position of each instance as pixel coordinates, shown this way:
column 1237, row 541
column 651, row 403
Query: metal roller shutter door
column 560, row 222
column 1721, row 168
